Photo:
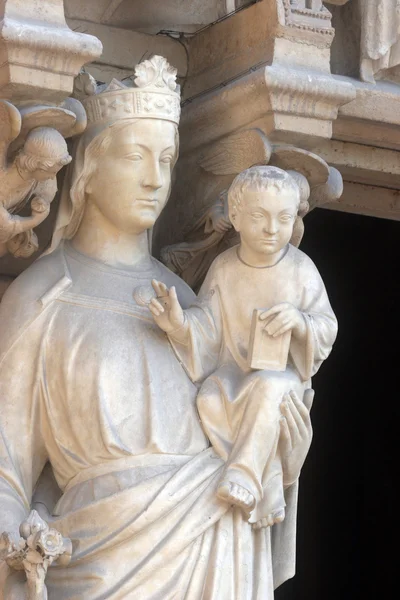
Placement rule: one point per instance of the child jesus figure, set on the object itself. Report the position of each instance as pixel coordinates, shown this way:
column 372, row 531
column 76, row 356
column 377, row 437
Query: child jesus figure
column 240, row 407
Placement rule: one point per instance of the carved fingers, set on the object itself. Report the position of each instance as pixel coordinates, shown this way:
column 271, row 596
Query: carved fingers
column 295, row 433
column 160, row 288
column 165, row 308
column 221, row 224
column 39, row 205
column 282, row 318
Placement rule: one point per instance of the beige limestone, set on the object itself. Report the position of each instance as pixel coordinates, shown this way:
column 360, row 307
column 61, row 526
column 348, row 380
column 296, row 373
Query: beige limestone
column 34, row 137
column 240, row 405
column 123, row 49
column 40, row 55
column 369, row 200
column 380, row 38
column 211, row 232
column 79, row 322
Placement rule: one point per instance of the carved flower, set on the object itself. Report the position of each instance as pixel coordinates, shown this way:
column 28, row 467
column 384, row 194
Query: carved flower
column 32, row 524
column 50, row 543
column 169, row 76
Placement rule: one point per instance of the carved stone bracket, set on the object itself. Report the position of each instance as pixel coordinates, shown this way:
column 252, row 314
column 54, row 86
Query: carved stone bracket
column 39, row 54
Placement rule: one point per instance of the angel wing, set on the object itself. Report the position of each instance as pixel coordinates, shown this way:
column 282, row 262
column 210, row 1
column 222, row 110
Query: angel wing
column 237, row 152
column 10, row 127
column 330, row 191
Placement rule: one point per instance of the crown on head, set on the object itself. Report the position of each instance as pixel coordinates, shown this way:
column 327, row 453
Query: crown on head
column 156, row 95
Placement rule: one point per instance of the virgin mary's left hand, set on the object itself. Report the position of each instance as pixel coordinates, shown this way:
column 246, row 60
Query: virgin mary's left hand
column 296, row 434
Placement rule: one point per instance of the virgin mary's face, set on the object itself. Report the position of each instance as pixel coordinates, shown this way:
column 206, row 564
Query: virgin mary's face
column 132, row 180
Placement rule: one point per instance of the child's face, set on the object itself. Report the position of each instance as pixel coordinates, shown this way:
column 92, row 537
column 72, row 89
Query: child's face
column 266, row 220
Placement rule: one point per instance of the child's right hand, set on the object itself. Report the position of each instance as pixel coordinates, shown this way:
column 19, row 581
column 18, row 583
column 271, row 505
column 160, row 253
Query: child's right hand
column 166, row 310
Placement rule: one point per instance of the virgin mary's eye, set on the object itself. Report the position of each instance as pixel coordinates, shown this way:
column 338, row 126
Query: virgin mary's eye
column 166, row 159
column 134, row 157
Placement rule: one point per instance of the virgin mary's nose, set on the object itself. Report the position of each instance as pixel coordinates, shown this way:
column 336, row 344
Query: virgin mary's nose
column 153, row 176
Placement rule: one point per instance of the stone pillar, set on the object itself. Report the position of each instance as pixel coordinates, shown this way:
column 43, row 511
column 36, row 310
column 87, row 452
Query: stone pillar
column 39, row 56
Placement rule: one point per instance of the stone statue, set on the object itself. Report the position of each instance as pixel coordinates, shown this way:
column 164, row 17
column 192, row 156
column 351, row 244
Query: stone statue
column 93, row 392
column 261, row 300
column 380, row 38
column 30, row 176
column 213, row 233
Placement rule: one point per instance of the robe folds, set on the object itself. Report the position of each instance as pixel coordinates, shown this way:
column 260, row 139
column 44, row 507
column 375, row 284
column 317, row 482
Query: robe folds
column 90, row 384
column 239, row 406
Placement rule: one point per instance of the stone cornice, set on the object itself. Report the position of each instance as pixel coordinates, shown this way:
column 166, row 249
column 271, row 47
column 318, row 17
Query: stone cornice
column 288, row 104
column 40, row 57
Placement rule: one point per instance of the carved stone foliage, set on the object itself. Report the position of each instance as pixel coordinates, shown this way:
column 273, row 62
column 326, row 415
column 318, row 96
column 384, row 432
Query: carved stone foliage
column 308, row 15
column 33, row 150
column 212, row 233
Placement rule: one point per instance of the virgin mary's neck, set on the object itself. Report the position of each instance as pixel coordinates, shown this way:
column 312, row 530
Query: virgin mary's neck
column 99, row 239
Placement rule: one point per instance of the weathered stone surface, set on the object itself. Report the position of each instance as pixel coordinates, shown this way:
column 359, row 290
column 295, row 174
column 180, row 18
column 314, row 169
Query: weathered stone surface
column 39, row 54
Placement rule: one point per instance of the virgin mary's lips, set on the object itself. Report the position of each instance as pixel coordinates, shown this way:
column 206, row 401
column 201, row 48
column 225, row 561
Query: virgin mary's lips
column 148, row 201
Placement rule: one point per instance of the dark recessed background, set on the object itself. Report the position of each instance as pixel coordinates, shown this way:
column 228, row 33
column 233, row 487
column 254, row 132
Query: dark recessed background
column 348, row 512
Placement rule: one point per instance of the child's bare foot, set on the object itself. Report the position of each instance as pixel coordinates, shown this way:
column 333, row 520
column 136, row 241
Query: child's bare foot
column 236, row 494
column 275, row 517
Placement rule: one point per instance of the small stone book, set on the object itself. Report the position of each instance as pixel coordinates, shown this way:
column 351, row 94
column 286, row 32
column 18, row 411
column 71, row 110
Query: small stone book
column 265, row 351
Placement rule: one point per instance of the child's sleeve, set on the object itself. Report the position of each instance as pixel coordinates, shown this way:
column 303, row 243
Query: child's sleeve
column 198, row 349
column 321, row 326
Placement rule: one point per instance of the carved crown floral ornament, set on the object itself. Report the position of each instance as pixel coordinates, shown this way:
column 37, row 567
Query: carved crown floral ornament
column 156, row 95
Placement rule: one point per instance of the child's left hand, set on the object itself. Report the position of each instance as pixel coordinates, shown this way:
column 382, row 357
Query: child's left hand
column 284, row 317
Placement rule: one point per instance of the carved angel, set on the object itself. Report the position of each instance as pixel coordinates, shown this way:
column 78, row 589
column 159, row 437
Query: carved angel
column 30, row 176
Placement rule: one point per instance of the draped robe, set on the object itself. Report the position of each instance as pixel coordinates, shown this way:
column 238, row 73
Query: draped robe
column 239, row 406
column 90, row 384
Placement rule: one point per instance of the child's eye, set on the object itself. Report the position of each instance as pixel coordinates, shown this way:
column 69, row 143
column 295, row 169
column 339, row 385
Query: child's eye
column 257, row 216
column 167, row 160
column 286, row 218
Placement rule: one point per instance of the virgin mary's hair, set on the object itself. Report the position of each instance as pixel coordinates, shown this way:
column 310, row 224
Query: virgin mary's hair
column 96, row 147
column 260, row 179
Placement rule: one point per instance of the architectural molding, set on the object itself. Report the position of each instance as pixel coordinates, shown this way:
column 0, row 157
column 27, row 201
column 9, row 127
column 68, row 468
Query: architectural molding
column 39, row 54
column 123, row 49
column 368, row 200
column 310, row 16
column 288, row 104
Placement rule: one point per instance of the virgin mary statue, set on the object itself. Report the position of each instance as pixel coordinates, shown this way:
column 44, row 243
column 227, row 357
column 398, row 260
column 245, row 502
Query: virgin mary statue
column 90, row 386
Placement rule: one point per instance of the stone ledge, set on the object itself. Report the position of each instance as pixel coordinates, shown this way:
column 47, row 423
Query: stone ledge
column 372, row 117
column 368, row 200
column 39, row 59
column 288, row 104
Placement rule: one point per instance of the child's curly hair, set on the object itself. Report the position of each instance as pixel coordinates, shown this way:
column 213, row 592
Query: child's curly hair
column 260, row 178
